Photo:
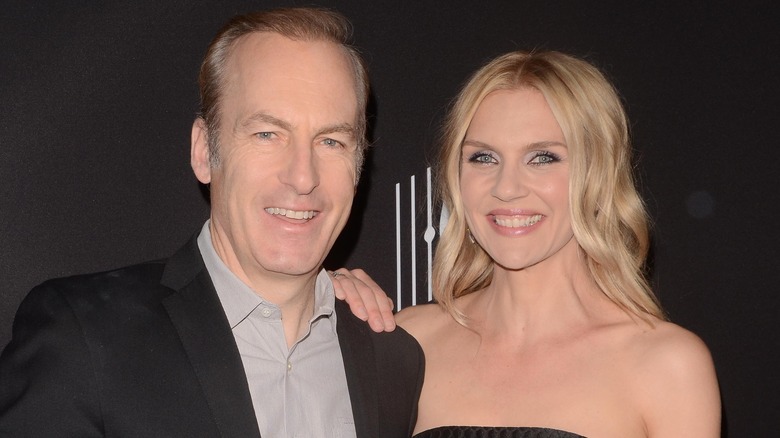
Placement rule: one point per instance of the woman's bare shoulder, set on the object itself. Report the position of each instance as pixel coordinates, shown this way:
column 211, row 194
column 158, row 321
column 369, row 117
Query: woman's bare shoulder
column 668, row 347
column 676, row 382
column 423, row 320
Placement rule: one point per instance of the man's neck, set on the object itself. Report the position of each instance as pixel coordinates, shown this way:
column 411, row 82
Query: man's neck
column 293, row 294
column 296, row 317
column 295, row 297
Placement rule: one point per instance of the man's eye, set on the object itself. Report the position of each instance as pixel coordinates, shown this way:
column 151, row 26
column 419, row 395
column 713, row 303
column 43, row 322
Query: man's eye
column 264, row 135
column 332, row 143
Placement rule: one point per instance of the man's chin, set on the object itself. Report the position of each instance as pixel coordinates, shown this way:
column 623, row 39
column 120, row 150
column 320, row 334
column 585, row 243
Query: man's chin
column 295, row 268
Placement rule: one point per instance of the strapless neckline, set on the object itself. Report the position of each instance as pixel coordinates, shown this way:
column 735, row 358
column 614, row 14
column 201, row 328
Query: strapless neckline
column 494, row 432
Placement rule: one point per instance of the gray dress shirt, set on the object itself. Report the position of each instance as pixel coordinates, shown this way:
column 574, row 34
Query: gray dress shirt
column 299, row 391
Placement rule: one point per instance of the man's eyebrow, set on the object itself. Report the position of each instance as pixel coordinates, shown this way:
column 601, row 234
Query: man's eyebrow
column 344, row 128
column 266, row 118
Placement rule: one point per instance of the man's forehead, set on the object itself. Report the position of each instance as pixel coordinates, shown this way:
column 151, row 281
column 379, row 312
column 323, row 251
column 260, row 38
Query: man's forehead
column 274, row 58
column 272, row 78
column 256, row 46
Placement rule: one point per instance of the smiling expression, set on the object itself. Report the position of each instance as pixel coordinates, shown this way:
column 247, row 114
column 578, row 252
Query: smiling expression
column 515, row 179
column 285, row 181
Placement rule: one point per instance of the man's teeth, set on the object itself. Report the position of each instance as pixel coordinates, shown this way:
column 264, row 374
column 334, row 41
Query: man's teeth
column 516, row 222
column 292, row 214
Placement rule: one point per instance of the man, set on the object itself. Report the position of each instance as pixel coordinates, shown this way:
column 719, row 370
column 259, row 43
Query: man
column 237, row 334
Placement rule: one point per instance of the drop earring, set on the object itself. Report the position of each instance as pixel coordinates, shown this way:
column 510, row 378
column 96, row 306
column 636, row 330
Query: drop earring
column 471, row 236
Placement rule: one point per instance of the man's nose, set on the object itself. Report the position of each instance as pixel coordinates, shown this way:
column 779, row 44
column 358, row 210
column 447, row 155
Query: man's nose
column 301, row 171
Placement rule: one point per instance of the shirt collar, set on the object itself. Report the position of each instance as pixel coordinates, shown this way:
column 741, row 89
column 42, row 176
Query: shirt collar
column 239, row 300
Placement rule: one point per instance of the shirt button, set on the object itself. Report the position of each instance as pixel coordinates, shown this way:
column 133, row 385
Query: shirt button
column 266, row 312
column 289, row 366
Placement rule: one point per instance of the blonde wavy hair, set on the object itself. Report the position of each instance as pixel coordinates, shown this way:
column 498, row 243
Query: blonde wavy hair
column 608, row 216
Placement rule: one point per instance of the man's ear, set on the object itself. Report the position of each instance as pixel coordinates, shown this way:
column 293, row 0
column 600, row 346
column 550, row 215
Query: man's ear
column 199, row 151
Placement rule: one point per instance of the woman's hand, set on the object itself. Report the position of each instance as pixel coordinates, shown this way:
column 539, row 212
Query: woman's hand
column 365, row 298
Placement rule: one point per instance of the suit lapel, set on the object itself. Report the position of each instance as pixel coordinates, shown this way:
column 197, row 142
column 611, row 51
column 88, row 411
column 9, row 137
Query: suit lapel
column 197, row 314
column 357, row 351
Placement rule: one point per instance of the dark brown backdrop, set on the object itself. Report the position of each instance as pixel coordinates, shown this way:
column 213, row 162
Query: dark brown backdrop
column 98, row 98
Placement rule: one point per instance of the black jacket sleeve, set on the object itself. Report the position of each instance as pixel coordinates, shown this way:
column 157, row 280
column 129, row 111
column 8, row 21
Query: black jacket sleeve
column 47, row 382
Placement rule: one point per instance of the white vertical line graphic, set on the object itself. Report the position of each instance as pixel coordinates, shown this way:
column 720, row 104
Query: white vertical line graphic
column 414, row 241
column 398, row 245
column 429, row 231
column 429, row 236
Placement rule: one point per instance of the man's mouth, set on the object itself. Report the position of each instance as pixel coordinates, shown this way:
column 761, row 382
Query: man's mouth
column 291, row 214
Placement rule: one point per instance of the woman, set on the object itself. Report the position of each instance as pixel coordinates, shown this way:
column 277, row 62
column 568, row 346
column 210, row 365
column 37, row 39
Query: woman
column 545, row 325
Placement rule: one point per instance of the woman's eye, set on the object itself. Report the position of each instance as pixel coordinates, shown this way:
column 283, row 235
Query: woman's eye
column 544, row 157
column 482, row 158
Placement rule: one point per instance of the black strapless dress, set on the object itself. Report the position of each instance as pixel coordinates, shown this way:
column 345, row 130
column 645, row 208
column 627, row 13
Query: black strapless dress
column 494, row 432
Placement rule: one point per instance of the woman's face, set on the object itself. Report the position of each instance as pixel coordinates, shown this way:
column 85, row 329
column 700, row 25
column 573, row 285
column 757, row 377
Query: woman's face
column 514, row 179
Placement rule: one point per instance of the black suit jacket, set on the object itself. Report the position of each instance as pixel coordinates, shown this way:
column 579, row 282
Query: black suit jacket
column 146, row 351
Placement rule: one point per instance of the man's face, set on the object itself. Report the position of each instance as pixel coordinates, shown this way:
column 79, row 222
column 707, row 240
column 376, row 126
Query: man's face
column 283, row 188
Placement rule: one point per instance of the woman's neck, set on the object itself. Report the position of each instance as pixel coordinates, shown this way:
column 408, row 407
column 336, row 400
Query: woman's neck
column 557, row 294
